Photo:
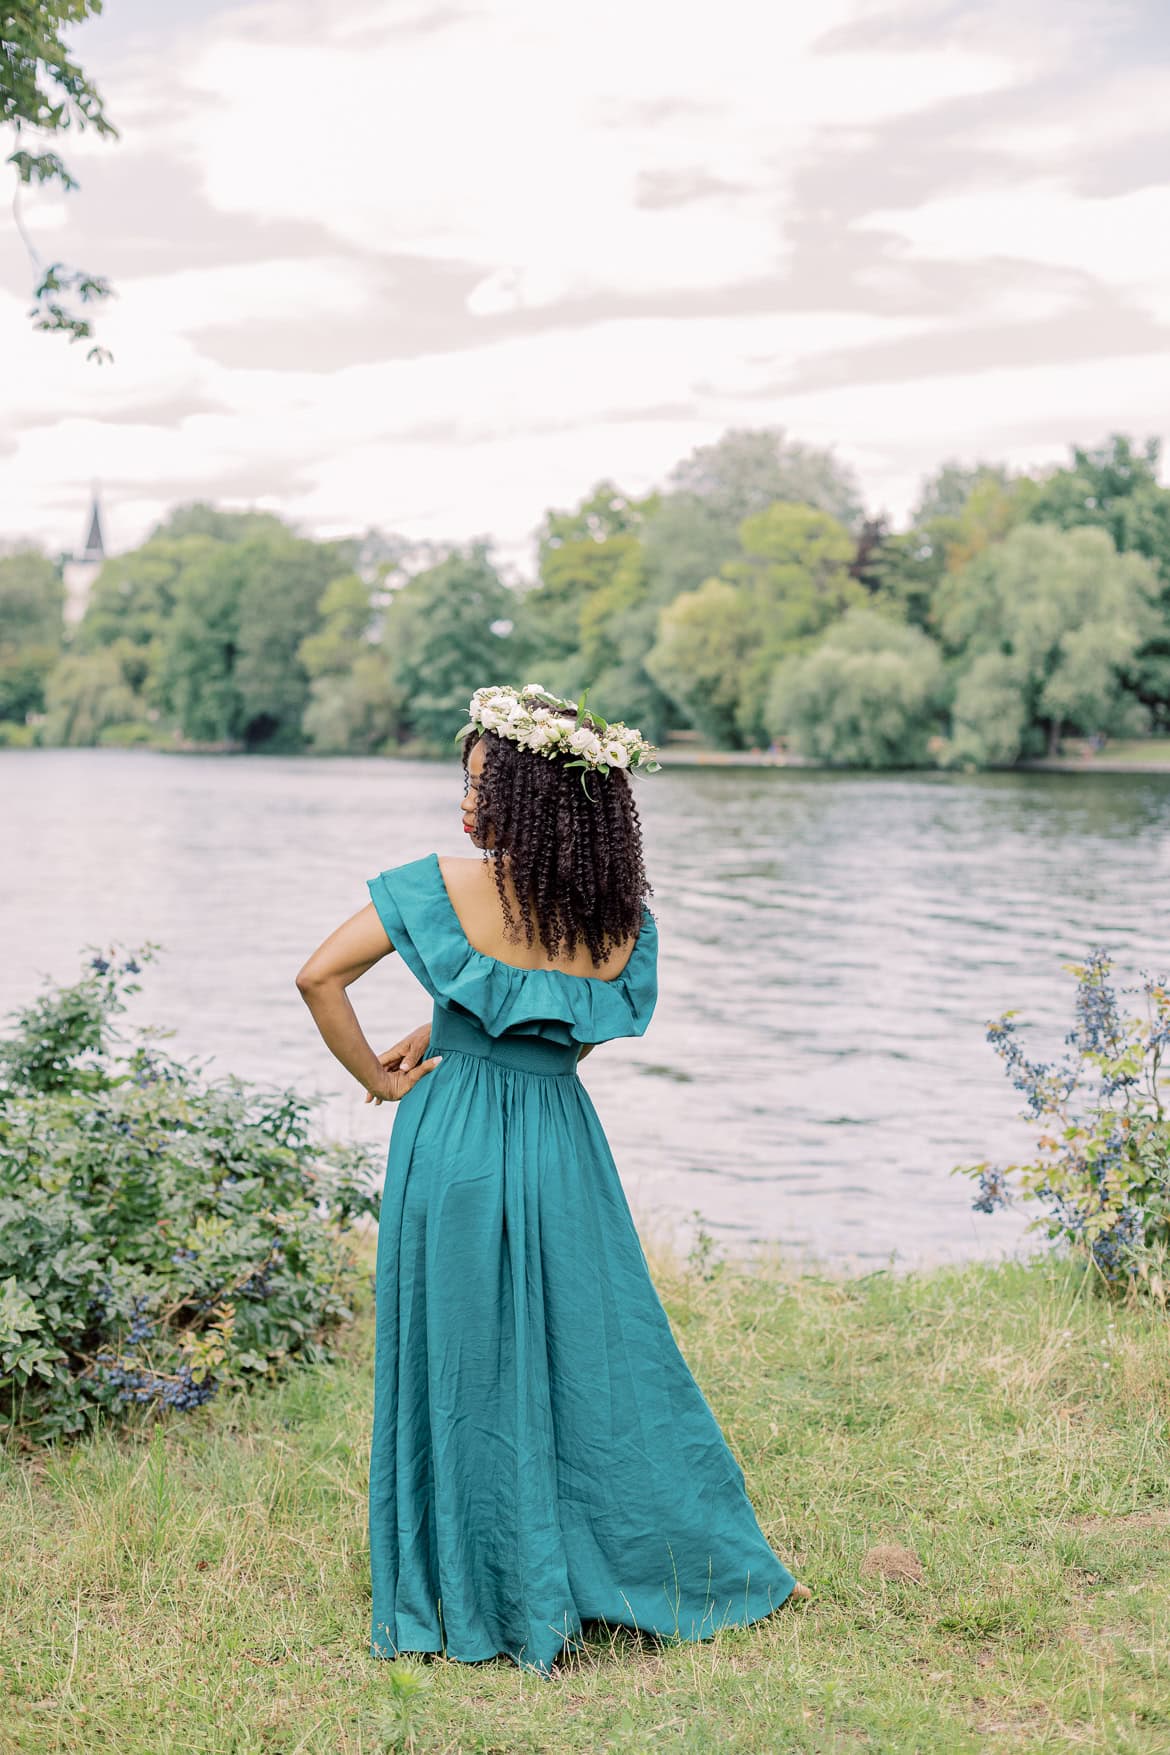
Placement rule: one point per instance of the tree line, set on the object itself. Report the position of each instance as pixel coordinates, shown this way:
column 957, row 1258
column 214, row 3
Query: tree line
column 751, row 601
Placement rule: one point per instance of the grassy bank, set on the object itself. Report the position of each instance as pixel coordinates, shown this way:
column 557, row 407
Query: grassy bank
column 998, row 1435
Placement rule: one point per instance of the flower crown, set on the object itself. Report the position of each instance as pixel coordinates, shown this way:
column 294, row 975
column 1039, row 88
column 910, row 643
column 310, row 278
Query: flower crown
column 550, row 726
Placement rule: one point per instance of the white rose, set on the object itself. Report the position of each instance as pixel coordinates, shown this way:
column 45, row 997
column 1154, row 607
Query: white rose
column 492, row 717
column 539, row 737
column 585, row 742
column 616, row 754
column 534, row 689
column 516, row 712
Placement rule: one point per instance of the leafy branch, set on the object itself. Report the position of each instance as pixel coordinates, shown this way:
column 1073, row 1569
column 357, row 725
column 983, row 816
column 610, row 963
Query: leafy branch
column 43, row 89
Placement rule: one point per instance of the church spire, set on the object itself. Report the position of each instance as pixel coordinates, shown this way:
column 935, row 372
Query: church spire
column 95, row 548
column 81, row 568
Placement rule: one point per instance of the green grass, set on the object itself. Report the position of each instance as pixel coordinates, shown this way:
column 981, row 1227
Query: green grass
column 1151, row 752
column 1138, row 749
column 205, row 1588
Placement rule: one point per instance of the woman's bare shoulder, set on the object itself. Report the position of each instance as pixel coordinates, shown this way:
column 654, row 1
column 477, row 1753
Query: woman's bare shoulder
column 461, row 873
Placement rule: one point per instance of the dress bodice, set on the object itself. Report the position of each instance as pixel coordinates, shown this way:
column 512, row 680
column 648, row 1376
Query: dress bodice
column 502, row 1001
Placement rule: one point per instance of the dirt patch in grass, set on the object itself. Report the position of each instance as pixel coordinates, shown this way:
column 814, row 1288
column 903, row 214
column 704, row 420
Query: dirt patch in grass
column 891, row 1560
column 1123, row 1522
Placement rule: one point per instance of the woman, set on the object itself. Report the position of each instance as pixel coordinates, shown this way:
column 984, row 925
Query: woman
column 541, row 1454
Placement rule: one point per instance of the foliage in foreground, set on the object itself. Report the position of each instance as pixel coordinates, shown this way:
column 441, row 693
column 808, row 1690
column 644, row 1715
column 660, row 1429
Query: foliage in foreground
column 1102, row 1164
column 163, row 1236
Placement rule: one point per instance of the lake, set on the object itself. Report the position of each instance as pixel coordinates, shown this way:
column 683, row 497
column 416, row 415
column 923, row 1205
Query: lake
column 832, row 947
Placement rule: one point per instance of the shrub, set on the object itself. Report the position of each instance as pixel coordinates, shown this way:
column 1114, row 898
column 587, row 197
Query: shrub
column 1102, row 1164
column 163, row 1235
column 126, row 734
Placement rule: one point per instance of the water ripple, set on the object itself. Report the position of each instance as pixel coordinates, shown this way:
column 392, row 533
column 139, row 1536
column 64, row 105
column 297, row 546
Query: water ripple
column 832, row 949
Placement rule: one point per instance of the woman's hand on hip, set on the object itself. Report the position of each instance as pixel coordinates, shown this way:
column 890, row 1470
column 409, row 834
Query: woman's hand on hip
column 405, row 1058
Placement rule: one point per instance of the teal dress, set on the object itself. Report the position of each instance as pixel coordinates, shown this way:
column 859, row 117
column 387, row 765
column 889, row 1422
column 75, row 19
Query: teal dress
column 541, row 1454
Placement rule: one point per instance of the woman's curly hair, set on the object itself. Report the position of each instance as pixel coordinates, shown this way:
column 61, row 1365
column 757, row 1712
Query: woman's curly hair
column 575, row 857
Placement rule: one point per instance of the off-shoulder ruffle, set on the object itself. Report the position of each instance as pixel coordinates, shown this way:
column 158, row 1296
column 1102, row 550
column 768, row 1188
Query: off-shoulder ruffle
column 422, row 925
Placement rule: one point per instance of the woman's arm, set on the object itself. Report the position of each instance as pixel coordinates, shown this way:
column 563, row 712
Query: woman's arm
column 355, row 946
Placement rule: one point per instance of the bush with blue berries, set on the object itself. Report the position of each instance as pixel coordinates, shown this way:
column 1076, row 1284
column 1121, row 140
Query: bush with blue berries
column 164, row 1236
column 1101, row 1170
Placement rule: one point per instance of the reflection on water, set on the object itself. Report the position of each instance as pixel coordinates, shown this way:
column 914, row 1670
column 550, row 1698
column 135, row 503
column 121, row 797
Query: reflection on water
column 832, row 946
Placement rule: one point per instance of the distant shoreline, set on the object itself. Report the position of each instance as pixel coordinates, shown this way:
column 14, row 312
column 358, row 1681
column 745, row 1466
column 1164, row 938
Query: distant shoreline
column 1103, row 764
column 685, row 757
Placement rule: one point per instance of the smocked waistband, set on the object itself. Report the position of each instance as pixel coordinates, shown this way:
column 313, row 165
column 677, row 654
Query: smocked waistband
column 535, row 1054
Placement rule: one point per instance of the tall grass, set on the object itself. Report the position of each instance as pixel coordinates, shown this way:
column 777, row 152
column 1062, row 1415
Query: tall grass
column 968, row 1466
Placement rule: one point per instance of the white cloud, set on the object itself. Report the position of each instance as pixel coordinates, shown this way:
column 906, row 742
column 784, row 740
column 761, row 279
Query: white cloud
column 1119, row 239
column 516, row 138
column 515, row 148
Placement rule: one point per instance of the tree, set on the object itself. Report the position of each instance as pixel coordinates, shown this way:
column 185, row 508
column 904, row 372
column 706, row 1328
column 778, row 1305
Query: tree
column 345, row 620
column 439, row 639
column 214, row 609
column 88, row 694
column 994, row 506
column 696, row 525
column 945, row 493
column 32, row 600
column 789, row 580
column 960, row 512
column 133, row 598
column 749, row 469
column 43, row 91
column 1115, row 487
column 580, row 554
column 687, row 534
column 868, row 695
column 794, row 566
column 200, row 518
column 359, row 712
column 197, row 678
column 285, row 580
column 901, row 570
column 1112, row 487
column 602, row 615
column 706, row 643
column 354, row 705
column 991, row 725
column 1062, row 614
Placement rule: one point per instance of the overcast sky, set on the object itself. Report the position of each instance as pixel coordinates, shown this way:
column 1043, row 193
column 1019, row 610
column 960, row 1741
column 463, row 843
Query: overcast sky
column 436, row 267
